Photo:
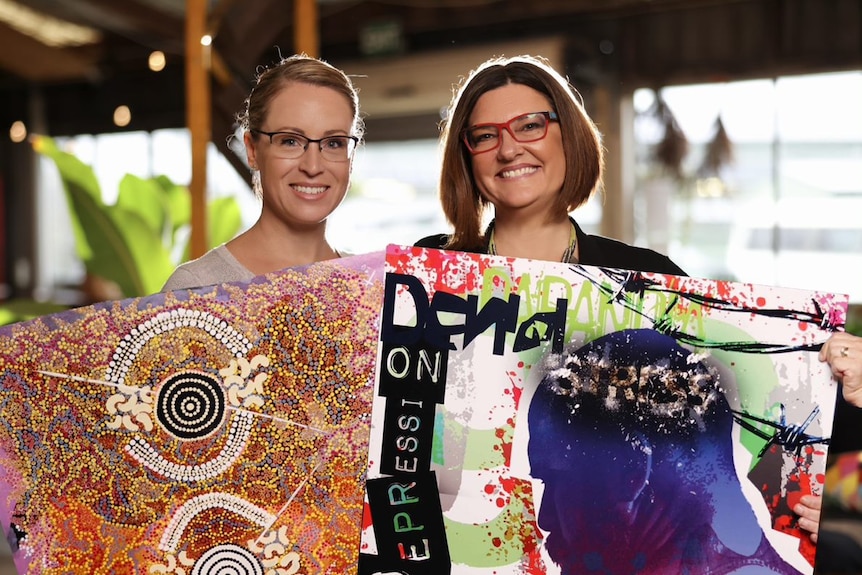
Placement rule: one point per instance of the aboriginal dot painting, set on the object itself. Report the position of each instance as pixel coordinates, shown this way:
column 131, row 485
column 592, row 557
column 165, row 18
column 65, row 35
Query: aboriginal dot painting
column 553, row 419
column 218, row 430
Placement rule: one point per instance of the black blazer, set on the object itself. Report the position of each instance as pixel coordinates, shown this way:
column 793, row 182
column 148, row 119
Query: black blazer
column 597, row 251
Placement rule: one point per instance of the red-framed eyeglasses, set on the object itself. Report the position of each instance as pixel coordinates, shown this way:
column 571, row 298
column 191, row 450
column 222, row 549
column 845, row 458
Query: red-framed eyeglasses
column 530, row 127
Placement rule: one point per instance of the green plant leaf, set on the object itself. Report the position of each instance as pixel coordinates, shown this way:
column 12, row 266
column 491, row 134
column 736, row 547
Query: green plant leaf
column 75, row 175
column 179, row 202
column 223, row 223
column 225, row 220
column 131, row 243
column 150, row 257
column 125, row 248
column 180, row 207
column 7, row 317
column 71, row 168
column 164, row 182
column 146, row 198
column 16, row 310
column 111, row 258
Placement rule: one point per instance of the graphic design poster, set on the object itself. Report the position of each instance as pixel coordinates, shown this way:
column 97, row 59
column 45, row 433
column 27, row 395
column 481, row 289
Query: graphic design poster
column 534, row 418
column 217, row 430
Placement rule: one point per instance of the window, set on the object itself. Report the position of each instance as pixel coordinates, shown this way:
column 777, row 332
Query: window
column 797, row 169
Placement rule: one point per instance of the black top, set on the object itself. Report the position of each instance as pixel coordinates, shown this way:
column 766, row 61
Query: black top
column 597, row 251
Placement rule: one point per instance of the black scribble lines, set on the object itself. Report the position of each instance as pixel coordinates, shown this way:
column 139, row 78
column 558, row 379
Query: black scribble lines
column 628, row 289
column 791, row 437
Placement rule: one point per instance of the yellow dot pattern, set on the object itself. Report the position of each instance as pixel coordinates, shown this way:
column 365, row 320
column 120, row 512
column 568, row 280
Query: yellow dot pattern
column 86, row 505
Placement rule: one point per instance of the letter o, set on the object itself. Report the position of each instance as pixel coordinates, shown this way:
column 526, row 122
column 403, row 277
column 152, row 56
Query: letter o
column 390, row 362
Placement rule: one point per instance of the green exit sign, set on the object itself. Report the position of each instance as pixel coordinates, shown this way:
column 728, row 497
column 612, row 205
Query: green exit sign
column 381, row 38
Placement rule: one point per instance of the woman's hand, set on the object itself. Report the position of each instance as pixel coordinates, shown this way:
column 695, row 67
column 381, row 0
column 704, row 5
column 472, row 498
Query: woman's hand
column 808, row 510
column 843, row 353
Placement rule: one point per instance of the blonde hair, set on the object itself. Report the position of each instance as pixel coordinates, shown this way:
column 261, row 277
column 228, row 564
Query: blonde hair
column 298, row 68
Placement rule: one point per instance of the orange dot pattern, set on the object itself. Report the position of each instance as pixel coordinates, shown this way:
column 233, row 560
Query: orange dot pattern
column 278, row 481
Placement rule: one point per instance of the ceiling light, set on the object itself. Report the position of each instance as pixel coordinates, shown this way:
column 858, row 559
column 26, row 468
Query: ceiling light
column 18, row 132
column 122, row 116
column 46, row 29
column 157, row 61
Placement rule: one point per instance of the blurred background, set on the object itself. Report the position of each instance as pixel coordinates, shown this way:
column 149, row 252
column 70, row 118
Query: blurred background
column 733, row 129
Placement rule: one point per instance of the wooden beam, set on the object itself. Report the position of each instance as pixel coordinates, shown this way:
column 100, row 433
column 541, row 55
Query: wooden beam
column 198, row 118
column 28, row 58
column 219, row 68
column 613, row 113
column 307, row 39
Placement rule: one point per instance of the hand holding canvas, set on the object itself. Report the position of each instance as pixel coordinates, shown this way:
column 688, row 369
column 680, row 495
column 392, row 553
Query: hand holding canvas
column 808, row 510
column 843, row 353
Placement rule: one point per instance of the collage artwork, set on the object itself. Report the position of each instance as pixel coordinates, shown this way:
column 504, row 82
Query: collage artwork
column 535, row 417
column 419, row 412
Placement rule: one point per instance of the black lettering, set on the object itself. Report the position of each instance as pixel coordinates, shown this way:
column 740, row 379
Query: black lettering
column 497, row 312
column 403, row 334
column 555, row 322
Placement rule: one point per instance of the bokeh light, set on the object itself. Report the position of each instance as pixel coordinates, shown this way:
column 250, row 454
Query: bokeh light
column 157, row 61
column 18, row 131
column 122, row 116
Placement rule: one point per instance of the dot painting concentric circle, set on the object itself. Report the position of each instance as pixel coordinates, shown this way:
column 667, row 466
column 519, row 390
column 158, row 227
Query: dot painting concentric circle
column 228, row 560
column 190, row 405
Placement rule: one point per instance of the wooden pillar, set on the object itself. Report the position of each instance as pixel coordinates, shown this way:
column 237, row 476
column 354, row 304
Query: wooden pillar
column 21, row 206
column 198, row 118
column 305, row 20
column 614, row 115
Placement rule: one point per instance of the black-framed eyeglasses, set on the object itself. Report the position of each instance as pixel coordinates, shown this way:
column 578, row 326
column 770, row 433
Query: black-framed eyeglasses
column 290, row 146
column 530, row 127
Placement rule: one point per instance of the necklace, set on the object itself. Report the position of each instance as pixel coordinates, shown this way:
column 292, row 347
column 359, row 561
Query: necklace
column 568, row 255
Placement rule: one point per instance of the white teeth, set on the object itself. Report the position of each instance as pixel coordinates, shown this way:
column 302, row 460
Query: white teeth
column 518, row 172
column 310, row 190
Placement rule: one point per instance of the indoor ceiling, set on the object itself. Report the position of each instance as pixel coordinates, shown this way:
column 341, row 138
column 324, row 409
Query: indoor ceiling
column 64, row 63
column 55, row 40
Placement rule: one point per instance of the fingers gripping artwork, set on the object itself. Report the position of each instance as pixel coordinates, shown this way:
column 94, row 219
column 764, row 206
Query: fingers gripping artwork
column 218, row 430
column 544, row 418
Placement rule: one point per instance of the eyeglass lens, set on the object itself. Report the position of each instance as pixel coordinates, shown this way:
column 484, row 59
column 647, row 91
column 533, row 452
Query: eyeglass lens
column 291, row 146
column 525, row 128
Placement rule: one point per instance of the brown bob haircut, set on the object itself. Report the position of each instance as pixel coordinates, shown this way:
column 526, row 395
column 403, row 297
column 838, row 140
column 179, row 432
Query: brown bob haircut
column 462, row 203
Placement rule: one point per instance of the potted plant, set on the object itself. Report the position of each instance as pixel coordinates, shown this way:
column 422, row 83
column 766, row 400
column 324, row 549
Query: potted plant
column 130, row 247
